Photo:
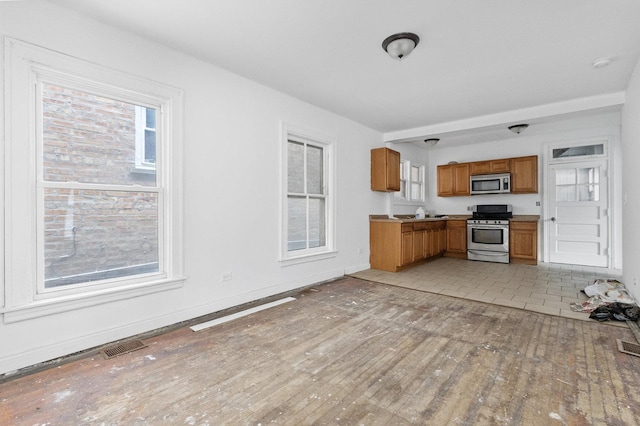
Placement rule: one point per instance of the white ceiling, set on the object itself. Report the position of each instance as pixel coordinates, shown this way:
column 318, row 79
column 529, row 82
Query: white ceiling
column 475, row 58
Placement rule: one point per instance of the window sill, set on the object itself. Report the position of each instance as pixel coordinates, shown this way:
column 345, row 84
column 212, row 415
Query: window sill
column 312, row 257
column 142, row 170
column 78, row 301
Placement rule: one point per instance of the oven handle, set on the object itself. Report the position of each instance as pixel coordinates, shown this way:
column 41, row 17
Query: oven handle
column 476, row 226
column 487, row 253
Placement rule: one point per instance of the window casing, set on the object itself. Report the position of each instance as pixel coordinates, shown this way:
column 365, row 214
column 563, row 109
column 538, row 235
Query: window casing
column 308, row 217
column 87, row 227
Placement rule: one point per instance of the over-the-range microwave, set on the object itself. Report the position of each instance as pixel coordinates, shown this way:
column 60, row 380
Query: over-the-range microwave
column 491, row 184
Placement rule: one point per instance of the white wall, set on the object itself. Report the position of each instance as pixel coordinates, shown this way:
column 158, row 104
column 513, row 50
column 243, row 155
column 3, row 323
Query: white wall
column 232, row 188
column 630, row 187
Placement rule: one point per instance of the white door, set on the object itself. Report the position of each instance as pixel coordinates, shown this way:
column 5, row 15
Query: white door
column 578, row 208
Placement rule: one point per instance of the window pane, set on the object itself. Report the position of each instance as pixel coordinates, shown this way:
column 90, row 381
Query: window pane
column 566, row 193
column 297, row 226
column 565, row 176
column 151, row 118
column 415, row 173
column 89, row 139
column 578, row 151
column 589, row 192
column 94, row 235
column 314, row 170
column 416, row 192
column 150, row 146
column 316, row 222
column 295, row 167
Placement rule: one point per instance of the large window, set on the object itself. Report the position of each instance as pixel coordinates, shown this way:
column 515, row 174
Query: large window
column 93, row 191
column 308, row 210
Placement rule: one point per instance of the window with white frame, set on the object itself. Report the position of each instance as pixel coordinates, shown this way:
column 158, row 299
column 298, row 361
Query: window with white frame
column 91, row 226
column 412, row 181
column 308, row 207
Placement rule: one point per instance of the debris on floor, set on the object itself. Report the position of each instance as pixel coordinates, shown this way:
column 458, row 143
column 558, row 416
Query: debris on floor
column 608, row 299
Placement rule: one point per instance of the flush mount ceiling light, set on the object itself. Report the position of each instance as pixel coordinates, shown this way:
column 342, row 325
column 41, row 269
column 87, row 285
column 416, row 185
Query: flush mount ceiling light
column 431, row 142
column 400, row 45
column 601, row 63
column 518, row 128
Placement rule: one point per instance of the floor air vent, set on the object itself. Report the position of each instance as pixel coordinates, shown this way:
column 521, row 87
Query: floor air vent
column 122, row 348
column 629, row 347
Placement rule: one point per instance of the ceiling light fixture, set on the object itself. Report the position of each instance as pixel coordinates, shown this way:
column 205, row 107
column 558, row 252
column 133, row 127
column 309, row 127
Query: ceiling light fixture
column 400, row 45
column 518, row 128
column 431, row 142
column 601, row 63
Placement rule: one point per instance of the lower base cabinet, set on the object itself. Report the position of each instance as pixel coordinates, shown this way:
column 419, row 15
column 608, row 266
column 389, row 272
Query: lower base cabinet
column 523, row 242
column 396, row 245
column 456, row 239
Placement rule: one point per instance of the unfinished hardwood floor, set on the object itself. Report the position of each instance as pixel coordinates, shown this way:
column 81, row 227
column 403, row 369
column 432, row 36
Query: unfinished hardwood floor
column 353, row 353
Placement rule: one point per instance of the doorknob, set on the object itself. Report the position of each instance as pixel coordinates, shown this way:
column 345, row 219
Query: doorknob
column 553, row 219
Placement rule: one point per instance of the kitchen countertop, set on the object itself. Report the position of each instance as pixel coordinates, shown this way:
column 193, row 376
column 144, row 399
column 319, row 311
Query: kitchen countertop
column 407, row 218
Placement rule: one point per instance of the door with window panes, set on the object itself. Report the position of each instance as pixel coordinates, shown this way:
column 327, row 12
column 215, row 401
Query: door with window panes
column 578, row 209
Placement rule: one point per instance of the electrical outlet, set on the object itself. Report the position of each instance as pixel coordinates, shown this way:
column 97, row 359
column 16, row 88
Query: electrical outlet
column 635, row 282
column 469, row 208
column 360, row 251
column 227, row 276
column 537, row 203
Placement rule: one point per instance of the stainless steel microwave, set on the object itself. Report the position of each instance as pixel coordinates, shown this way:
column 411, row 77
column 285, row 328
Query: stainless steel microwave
column 491, row 184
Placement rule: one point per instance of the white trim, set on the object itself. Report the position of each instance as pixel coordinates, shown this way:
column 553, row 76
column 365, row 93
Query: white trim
column 547, row 156
column 302, row 135
column 244, row 313
column 25, row 66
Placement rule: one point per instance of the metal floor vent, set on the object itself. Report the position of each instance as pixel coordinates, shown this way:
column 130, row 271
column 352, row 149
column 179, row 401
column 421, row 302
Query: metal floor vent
column 629, row 347
column 122, row 348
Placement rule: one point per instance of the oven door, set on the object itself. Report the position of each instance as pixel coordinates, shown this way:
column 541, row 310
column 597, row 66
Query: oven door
column 488, row 237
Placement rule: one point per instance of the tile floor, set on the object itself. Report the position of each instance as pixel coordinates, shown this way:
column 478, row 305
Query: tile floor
column 544, row 288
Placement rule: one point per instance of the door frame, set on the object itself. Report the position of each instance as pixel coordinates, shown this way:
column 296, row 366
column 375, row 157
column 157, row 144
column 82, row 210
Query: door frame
column 548, row 159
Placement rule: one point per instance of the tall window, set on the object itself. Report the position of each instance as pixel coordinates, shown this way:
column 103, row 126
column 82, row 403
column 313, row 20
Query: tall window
column 85, row 220
column 100, row 221
column 308, row 201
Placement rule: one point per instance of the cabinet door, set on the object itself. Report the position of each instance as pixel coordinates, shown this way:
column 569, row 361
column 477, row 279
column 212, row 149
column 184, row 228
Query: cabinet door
column 418, row 245
column 429, row 243
column 500, row 166
column 445, row 181
column 461, row 179
column 407, row 248
column 385, row 170
column 523, row 242
column 524, row 175
column 480, row 167
column 456, row 238
column 442, row 240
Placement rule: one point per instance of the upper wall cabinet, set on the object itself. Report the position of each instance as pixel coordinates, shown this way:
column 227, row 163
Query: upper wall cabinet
column 453, row 179
column 385, row 170
column 524, row 175
column 490, row 166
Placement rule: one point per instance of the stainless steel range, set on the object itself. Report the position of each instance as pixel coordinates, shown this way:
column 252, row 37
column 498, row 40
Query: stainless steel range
column 488, row 233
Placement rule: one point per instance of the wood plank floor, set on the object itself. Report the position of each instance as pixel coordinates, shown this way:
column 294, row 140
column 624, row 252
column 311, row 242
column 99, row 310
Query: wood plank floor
column 354, row 352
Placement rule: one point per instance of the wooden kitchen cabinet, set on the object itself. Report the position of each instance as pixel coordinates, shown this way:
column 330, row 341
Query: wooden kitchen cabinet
column 456, row 239
column 385, row 170
column 395, row 245
column 524, row 175
column 490, row 166
column 453, row 180
column 523, row 242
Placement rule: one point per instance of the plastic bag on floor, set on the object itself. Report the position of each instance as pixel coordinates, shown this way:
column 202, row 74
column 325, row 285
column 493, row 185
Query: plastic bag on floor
column 609, row 291
column 616, row 311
